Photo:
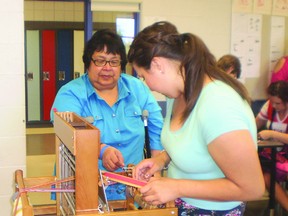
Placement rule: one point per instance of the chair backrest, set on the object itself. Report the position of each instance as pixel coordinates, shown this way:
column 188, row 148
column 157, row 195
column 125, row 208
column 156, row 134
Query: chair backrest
column 24, row 207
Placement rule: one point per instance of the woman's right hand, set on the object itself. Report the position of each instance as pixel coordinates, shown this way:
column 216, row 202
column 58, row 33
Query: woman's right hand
column 112, row 159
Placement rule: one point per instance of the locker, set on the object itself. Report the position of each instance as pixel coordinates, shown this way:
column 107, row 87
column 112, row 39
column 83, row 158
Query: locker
column 47, row 51
column 64, row 57
column 33, row 75
column 48, row 57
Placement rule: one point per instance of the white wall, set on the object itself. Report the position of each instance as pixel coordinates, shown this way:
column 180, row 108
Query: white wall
column 210, row 20
column 12, row 103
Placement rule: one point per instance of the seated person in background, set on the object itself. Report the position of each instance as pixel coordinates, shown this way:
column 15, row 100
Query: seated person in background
column 274, row 116
column 231, row 65
column 115, row 101
column 280, row 71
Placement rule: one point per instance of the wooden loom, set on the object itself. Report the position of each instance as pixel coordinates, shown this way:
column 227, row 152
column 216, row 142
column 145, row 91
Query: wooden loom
column 77, row 150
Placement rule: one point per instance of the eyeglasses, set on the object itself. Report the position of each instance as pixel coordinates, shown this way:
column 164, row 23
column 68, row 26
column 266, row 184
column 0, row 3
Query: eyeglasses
column 103, row 62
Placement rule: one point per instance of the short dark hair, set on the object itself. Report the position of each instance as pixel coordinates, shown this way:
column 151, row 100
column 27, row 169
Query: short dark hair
column 228, row 61
column 279, row 89
column 101, row 39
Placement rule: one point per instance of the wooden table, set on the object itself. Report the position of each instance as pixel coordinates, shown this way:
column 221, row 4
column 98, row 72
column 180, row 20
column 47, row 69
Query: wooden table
column 273, row 145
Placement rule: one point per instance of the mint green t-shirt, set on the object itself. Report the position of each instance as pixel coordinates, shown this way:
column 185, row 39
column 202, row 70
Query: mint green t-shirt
column 219, row 109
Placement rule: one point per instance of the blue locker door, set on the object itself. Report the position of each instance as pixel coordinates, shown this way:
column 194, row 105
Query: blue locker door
column 64, row 57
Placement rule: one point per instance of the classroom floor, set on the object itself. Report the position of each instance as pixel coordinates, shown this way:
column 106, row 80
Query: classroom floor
column 41, row 158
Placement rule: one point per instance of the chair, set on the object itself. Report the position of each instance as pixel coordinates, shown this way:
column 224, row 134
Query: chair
column 278, row 209
column 24, row 205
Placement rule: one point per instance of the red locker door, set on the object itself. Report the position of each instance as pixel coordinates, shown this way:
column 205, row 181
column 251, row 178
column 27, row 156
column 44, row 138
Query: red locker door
column 48, row 72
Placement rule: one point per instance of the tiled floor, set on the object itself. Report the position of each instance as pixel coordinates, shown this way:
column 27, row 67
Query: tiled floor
column 41, row 159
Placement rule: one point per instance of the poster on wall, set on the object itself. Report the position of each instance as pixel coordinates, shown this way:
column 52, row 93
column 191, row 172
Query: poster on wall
column 280, row 8
column 277, row 42
column 242, row 6
column 246, row 42
column 262, row 7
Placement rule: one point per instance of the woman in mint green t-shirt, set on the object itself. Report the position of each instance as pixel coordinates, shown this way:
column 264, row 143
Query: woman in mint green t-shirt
column 209, row 132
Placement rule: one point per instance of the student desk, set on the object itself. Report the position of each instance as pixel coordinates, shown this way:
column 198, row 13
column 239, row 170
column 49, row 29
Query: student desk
column 273, row 145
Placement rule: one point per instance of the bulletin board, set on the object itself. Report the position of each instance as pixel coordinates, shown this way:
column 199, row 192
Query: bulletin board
column 259, row 32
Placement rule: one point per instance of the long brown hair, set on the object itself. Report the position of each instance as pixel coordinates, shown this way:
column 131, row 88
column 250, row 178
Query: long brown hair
column 196, row 60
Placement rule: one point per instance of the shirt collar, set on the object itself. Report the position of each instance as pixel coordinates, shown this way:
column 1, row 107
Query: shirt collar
column 122, row 88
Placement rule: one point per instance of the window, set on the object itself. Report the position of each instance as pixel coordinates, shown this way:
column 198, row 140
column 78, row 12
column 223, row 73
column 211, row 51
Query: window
column 125, row 27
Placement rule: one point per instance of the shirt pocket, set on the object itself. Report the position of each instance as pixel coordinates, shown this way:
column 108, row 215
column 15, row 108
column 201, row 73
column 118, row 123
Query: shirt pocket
column 134, row 113
column 98, row 120
column 98, row 117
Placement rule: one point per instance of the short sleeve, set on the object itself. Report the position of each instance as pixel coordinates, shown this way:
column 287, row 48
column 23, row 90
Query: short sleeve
column 224, row 111
column 263, row 114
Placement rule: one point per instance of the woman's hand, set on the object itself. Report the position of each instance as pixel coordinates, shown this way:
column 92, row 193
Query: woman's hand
column 160, row 190
column 265, row 134
column 148, row 167
column 275, row 135
column 112, row 159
